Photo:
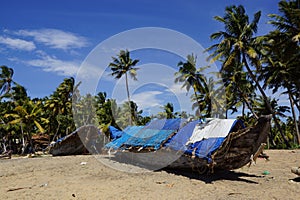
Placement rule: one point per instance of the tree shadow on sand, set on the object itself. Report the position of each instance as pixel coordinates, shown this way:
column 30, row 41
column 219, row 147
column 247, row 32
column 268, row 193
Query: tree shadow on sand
column 216, row 176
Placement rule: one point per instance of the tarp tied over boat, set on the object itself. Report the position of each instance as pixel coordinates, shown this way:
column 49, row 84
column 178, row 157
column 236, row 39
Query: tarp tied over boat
column 152, row 136
column 212, row 128
column 201, row 138
column 176, row 143
column 198, row 138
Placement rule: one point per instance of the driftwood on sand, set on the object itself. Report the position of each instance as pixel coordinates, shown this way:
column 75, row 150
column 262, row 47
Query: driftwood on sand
column 6, row 155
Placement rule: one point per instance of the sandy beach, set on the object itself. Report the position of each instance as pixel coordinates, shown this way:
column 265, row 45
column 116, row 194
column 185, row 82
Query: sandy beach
column 85, row 177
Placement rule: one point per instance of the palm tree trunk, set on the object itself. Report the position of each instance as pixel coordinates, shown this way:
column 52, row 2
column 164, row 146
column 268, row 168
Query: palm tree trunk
column 198, row 101
column 58, row 127
column 250, row 108
column 4, row 140
column 266, row 100
column 247, row 103
column 243, row 109
column 128, row 97
column 295, row 119
column 4, row 147
column 23, row 139
column 295, row 102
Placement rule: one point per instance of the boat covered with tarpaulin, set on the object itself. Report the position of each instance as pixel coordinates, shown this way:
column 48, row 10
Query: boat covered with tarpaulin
column 200, row 144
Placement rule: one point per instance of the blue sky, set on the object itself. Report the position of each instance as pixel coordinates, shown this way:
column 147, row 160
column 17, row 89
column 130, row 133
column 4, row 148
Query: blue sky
column 47, row 41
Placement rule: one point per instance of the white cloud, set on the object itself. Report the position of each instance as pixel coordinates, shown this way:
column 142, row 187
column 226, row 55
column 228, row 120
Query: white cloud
column 179, row 90
column 55, row 38
column 53, row 64
column 18, row 44
column 147, row 99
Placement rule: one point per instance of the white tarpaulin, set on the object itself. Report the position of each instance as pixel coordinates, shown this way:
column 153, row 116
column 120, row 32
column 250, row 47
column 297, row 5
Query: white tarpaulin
column 212, row 128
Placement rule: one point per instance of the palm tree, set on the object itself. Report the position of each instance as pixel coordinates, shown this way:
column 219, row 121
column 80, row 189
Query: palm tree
column 240, row 47
column 122, row 65
column 107, row 110
column 213, row 100
column 59, row 108
column 168, row 111
column 192, row 78
column 288, row 22
column 279, row 71
column 19, row 94
column 261, row 109
column 282, row 56
column 28, row 118
column 6, row 80
column 7, row 131
column 239, row 89
column 237, row 45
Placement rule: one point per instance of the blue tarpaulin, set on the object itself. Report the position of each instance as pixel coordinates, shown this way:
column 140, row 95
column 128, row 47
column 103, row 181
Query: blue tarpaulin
column 204, row 148
column 173, row 135
column 178, row 141
column 150, row 136
column 114, row 132
column 118, row 142
column 165, row 124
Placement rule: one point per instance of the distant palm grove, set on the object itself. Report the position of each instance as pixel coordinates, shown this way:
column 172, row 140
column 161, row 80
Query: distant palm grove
column 249, row 65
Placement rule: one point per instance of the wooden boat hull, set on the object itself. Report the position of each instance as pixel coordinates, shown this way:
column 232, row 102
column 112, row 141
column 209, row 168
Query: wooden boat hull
column 78, row 142
column 243, row 146
column 237, row 150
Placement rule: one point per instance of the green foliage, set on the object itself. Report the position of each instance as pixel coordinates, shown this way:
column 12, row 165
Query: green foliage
column 272, row 58
column 191, row 77
column 58, row 110
column 168, row 112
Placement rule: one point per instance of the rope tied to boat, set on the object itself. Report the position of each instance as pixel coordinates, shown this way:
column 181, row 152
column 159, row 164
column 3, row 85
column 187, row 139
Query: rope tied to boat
column 257, row 153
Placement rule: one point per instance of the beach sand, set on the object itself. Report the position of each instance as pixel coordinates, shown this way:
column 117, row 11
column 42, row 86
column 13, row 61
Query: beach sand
column 85, row 177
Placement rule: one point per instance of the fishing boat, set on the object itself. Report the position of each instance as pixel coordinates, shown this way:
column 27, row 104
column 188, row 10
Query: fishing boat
column 75, row 143
column 198, row 145
column 240, row 147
